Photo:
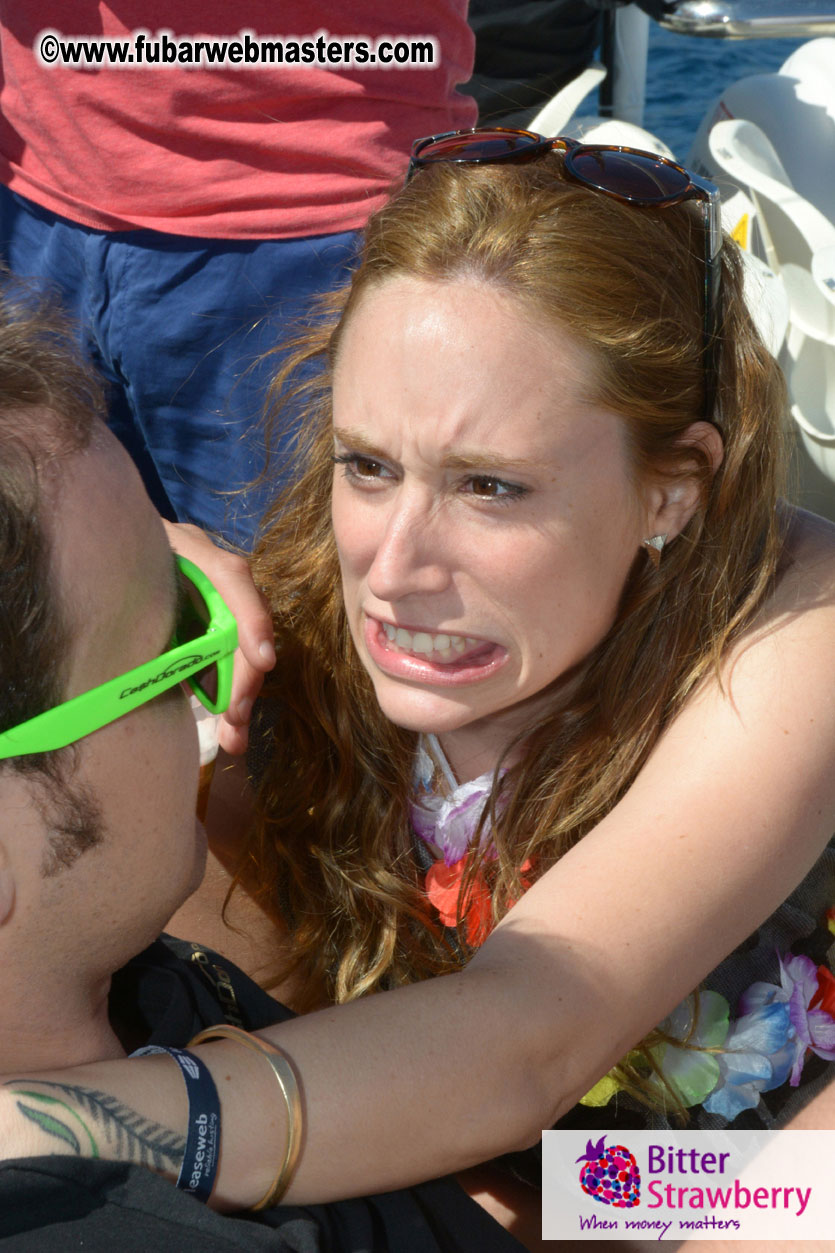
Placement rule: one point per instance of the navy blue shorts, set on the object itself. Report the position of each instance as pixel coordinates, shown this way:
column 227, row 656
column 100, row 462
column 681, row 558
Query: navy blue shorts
column 175, row 324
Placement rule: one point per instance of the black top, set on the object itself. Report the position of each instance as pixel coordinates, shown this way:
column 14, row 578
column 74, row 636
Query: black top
column 526, row 51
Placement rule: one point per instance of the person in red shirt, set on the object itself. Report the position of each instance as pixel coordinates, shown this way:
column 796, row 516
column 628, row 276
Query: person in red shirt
column 189, row 213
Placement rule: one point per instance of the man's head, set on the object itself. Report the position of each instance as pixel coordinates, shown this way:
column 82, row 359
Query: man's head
column 98, row 841
column 50, row 405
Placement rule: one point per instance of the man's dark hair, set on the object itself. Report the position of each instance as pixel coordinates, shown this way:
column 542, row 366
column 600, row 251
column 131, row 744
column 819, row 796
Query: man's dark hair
column 50, row 401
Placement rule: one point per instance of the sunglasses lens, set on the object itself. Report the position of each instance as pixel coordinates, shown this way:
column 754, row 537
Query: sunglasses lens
column 485, row 145
column 634, row 176
column 192, row 625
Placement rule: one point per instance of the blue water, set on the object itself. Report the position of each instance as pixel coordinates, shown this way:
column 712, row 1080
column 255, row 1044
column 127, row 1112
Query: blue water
column 685, row 75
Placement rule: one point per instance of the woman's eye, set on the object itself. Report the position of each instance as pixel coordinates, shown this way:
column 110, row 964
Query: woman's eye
column 359, row 467
column 365, row 467
column 486, row 487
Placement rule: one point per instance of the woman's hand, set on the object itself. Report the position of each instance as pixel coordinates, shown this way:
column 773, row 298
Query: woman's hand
column 256, row 651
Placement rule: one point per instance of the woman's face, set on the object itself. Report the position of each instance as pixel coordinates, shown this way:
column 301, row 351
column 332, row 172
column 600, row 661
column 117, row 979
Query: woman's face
column 484, row 509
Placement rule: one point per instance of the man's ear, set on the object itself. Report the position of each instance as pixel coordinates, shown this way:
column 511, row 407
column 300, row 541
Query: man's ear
column 21, row 837
column 673, row 501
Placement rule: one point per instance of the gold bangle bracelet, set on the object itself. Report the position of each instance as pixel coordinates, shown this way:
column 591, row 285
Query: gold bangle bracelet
column 283, row 1070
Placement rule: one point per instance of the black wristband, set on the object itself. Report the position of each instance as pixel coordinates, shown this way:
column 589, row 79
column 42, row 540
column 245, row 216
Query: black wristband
column 200, row 1160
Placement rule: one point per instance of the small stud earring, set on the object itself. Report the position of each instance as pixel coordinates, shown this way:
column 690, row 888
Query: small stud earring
column 654, row 546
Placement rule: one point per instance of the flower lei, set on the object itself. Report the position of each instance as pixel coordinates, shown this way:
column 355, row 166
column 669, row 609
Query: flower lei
column 709, row 1058
column 447, row 824
column 723, row 1063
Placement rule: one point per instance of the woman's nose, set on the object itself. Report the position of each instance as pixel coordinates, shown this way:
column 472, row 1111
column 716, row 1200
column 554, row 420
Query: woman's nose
column 411, row 556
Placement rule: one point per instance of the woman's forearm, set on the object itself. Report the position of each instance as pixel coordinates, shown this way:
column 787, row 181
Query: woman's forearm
column 394, row 1092
column 396, row 1088
column 137, row 1112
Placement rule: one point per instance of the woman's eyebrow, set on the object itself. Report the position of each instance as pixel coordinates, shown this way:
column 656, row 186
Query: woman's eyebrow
column 479, row 459
column 356, row 441
column 484, row 459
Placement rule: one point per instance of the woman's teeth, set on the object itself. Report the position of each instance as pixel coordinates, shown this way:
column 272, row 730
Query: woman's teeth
column 441, row 647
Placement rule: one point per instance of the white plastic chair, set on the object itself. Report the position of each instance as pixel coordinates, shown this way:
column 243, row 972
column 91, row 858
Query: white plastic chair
column 812, row 383
column 799, row 246
column 796, row 109
column 768, row 303
column 791, row 229
column 805, row 139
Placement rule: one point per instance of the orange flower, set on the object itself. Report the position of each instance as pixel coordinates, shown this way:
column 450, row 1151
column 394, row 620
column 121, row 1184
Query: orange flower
column 443, row 887
column 824, row 998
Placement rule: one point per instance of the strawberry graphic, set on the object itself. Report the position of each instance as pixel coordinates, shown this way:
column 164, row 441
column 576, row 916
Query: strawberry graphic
column 610, row 1175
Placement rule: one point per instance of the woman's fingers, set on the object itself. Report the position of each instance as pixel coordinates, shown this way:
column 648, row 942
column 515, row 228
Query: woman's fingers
column 256, row 647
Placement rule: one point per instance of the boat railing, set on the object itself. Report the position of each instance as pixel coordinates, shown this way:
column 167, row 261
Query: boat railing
column 749, row 19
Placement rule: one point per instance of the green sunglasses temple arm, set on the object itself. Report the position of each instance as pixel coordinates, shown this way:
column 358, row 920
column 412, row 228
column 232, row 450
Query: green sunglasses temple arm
column 80, row 716
column 73, row 719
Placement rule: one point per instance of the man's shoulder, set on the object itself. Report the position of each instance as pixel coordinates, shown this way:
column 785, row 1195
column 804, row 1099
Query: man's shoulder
column 243, row 1001
column 174, row 988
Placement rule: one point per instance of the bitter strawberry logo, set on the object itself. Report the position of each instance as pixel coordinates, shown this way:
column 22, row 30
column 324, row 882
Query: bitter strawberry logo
column 610, row 1175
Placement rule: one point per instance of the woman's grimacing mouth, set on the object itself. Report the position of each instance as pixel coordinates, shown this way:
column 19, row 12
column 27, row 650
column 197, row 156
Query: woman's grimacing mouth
column 439, row 645
column 445, row 650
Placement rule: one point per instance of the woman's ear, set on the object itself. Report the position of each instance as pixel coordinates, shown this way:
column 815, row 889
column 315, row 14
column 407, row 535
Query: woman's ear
column 673, row 501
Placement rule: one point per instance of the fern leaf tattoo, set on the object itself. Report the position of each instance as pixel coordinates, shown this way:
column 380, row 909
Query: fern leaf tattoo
column 132, row 1137
column 51, row 1126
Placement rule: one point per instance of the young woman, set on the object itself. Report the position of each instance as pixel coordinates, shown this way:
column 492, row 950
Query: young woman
column 552, row 715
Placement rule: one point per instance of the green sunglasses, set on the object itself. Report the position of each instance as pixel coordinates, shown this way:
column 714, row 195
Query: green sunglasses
column 205, row 639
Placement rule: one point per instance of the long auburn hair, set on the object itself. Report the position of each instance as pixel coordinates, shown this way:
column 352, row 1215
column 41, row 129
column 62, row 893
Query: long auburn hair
column 331, row 850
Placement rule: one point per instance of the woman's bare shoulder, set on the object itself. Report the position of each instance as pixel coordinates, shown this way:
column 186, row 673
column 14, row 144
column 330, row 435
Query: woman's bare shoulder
column 801, row 605
column 785, row 656
column 808, row 567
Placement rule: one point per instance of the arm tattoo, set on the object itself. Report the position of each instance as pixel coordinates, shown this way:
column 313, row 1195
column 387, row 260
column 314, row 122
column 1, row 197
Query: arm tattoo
column 88, row 1123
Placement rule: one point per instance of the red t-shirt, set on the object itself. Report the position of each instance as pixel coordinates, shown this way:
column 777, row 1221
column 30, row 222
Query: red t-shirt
column 235, row 150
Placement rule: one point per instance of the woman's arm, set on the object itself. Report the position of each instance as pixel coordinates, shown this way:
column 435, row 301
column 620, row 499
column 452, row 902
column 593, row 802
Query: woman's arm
column 731, row 810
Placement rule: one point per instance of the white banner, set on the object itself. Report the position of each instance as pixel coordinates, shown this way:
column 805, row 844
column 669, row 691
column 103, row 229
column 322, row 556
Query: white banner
column 676, row 1185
